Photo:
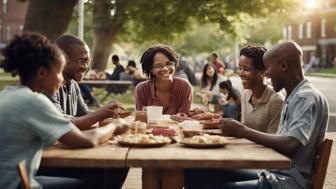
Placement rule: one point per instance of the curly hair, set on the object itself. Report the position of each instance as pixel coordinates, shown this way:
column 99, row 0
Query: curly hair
column 254, row 52
column 147, row 59
column 28, row 52
column 226, row 85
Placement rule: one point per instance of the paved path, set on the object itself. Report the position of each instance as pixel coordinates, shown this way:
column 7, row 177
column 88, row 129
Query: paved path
column 133, row 180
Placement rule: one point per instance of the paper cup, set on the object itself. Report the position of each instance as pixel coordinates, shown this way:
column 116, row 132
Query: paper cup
column 154, row 113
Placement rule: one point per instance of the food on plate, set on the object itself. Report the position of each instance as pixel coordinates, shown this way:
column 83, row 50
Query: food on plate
column 208, row 139
column 164, row 132
column 206, row 116
column 138, row 127
column 143, row 139
column 211, row 124
column 191, row 133
column 196, row 111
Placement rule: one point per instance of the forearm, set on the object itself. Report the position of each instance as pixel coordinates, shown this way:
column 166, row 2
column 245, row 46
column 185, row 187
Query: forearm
column 283, row 144
column 100, row 135
column 86, row 121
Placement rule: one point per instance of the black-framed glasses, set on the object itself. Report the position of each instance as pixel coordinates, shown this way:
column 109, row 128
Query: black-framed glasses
column 161, row 66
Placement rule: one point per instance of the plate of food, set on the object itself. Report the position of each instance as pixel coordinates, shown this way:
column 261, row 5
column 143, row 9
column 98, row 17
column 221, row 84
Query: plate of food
column 142, row 140
column 206, row 116
column 205, row 141
column 211, row 124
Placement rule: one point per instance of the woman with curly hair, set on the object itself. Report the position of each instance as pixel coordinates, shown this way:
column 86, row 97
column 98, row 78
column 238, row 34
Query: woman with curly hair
column 29, row 121
column 163, row 89
column 261, row 105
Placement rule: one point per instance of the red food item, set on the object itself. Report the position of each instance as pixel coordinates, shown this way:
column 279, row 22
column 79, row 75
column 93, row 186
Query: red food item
column 164, row 132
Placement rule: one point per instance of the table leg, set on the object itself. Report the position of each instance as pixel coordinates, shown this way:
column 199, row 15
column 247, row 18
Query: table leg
column 150, row 178
column 172, row 179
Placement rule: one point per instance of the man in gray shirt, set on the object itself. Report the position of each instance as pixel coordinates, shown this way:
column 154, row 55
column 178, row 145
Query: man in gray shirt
column 303, row 122
column 69, row 99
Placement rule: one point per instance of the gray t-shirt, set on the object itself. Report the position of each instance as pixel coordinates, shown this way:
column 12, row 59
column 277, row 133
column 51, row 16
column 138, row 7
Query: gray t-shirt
column 69, row 100
column 304, row 117
column 28, row 122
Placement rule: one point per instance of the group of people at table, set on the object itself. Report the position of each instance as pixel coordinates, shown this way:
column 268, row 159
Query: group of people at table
column 47, row 107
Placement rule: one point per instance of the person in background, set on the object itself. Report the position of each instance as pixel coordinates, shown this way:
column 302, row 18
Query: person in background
column 29, row 121
column 220, row 66
column 261, row 105
column 163, row 89
column 230, row 106
column 132, row 73
column 117, row 70
column 304, row 120
column 210, row 83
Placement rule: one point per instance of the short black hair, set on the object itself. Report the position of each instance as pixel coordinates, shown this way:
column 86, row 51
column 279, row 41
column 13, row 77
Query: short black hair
column 131, row 63
column 147, row 59
column 68, row 42
column 115, row 58
column 256, row 53
column 226, row 85
column 28, row 52
column 215, row 54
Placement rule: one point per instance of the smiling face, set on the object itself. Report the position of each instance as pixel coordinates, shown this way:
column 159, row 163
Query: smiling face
column 77, row 63
column 249, row 75
column 210, row 71
column 273, row 72
column 51, row 79
column 163, row 68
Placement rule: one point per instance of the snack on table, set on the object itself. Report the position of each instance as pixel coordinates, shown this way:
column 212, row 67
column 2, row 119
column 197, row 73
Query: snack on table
column 143, row 139
column 141, row 116
column 208, row 139
column 164, row 132
column 138, row 127
column 206, row 116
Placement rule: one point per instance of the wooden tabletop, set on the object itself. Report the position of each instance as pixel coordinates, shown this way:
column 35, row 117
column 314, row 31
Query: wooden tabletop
column 239, row 154
column 107, row 155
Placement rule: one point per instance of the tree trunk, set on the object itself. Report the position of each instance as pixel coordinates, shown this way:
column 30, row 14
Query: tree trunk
column 105, row 30
column 102, row 48
column 49, row 17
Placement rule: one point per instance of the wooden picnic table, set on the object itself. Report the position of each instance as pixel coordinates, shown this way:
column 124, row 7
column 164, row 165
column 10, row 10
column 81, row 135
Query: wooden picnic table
column 173, row 158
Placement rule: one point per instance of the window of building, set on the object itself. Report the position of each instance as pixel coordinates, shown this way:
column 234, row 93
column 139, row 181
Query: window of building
column 300, row 31
column 8, row 32
column 323, row 27
column 309, row 26
column 4, row 6
column 289, row 32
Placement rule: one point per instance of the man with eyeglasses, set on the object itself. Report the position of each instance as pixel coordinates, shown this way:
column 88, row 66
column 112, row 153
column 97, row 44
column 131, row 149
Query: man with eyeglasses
column 70, row 102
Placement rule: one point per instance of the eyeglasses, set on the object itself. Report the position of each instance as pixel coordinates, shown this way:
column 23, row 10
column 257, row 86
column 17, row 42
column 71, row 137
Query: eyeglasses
column 82, row 61
column 161, row 66
column 245, row 69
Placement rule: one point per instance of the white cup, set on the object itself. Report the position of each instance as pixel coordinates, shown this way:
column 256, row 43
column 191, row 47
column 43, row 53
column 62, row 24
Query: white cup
column 154, row 113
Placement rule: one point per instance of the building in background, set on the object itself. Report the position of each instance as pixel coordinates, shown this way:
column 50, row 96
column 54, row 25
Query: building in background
column 315, row 31
column 12, row 16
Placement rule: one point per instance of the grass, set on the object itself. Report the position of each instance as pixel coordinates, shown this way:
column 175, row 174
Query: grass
column 325, row 72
